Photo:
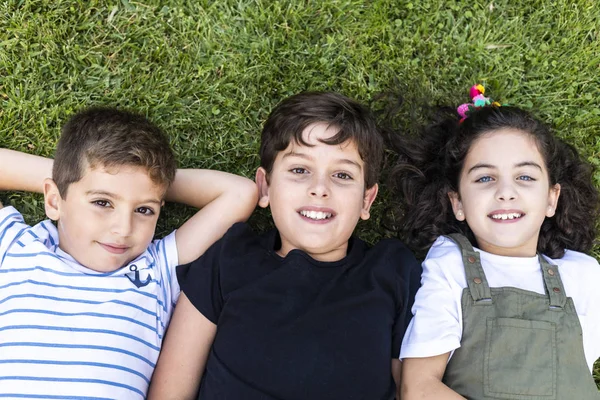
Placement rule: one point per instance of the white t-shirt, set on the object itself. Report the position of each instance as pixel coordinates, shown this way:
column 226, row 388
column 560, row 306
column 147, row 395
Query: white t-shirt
column 69, row 332
column 436, row 327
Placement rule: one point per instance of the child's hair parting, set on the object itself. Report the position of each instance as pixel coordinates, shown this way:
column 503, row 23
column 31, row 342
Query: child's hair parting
column 355, row 122
column 106, row 137
column 429, row 166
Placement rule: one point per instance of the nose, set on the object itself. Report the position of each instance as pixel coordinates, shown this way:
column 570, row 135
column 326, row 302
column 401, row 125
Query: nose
column 319, row 186
column 122, row 223
column 506, row 191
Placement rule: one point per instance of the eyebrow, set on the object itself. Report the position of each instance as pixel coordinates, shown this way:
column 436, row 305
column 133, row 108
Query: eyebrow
column 307, row 157
column 116, row 196
column 490, row 166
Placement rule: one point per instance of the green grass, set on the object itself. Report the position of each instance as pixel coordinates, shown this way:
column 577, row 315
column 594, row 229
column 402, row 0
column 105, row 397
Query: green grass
column 209, row 72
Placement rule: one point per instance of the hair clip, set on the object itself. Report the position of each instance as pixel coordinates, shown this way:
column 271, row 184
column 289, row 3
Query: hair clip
column 479, row 100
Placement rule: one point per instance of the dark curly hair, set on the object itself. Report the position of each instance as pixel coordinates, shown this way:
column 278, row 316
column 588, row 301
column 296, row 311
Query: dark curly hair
column 429, row 166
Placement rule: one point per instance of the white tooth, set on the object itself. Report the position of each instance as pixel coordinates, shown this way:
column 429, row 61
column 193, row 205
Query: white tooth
column 504, row 216
column 315, row 214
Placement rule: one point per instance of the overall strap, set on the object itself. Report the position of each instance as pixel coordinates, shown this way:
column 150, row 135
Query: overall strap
column 476, row 280
column 553, row 283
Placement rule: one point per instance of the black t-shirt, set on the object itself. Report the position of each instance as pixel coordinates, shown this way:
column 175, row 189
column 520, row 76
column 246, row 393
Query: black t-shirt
column 296, row 328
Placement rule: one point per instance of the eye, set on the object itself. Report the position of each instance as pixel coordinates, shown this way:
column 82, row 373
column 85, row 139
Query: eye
column 525, row 178
column 298, row 170
column 144, row 210
column 101, row 203
column 484, row 179
column 343, row 175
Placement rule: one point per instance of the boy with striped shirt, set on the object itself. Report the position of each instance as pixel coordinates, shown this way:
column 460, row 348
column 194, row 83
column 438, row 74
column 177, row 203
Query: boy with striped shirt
column 84, row 304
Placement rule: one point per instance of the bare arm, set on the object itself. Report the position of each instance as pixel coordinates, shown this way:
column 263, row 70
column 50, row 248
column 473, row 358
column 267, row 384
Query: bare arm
column 22, row 171
column 183, row 356
column 223, row 199
column 422, row 379
column 397, row 375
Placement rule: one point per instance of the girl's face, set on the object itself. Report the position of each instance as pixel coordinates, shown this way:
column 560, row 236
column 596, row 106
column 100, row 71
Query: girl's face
column 504, row 193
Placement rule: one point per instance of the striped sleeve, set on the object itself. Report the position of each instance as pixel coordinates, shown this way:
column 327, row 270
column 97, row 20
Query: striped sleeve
column 164, row 253
column 12, row 227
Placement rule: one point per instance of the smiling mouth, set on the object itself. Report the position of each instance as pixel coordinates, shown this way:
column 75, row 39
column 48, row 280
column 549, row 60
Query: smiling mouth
column 506, row 216
column 315, row 215
column 114, row 249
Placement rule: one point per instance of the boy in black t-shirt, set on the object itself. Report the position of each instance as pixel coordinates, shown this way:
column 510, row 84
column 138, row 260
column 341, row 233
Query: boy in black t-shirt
column 305, row 311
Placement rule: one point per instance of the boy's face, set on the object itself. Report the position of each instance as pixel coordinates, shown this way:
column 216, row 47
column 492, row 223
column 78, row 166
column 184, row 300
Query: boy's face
column 316, row 194
column 108, row 217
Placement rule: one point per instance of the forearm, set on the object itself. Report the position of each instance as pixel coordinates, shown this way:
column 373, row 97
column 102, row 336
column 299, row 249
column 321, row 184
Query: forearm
column 22, row 171
column 199, row 187
column 184, row 353
column 432, row 389
column 422, row 379
column 223, row 199
column 397, row 375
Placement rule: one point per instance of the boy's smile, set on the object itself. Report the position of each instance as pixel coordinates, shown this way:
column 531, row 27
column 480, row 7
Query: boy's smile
column 505, row 193
column 316, row 194
column 108, row 217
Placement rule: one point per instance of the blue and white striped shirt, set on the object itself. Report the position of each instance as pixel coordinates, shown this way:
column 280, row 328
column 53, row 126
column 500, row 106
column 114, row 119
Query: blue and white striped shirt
column 67, row 332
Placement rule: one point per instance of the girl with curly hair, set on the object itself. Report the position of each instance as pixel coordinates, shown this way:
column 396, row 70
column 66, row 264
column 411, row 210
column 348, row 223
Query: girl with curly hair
column 508, row 307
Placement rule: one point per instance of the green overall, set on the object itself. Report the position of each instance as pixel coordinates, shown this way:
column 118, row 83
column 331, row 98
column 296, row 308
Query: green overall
column 517, row 344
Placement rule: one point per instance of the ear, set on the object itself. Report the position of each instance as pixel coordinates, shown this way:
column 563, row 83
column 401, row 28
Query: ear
column 368, row 199
column 263, row 187
column 51, row 199
column 553, row 195
column 457, row 206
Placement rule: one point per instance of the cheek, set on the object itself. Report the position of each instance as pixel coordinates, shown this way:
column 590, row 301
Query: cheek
column 145, row 227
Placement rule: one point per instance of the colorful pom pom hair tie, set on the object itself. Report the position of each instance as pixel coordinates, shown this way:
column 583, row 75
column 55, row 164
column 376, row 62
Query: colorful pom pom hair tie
column 479, row 101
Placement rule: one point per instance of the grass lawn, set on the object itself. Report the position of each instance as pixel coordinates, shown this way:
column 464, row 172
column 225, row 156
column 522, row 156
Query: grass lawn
column 210, row 72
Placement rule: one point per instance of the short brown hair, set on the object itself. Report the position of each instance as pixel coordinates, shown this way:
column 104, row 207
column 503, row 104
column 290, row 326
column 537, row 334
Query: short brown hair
column 110, row 137
column 289, row 118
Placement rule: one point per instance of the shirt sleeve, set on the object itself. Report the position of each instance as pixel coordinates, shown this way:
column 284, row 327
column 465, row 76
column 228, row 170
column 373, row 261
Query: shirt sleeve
column 408, row 284
column 167, row 250
column 12, row 227
column 580, row 274
column 163, row 261
column 436, row 327
column 202, row 282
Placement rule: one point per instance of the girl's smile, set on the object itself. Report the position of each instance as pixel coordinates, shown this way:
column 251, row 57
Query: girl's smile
column 506, row 215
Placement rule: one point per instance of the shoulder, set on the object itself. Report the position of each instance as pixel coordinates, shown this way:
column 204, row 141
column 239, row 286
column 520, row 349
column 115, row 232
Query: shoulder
column 444, row 263
column 390, row 251
column 575, row 258
column 13, row 230
column 578, row 265
column 580, row 272
column 238, row 242
column 240, row 238
column 392, row 256
column 446, row 250
column 391, row 245
column 9, row 215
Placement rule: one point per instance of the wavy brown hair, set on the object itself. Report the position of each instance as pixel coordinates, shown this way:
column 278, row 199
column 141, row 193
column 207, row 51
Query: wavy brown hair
column 428, row 167
column 355, row 122
column 108, row 137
